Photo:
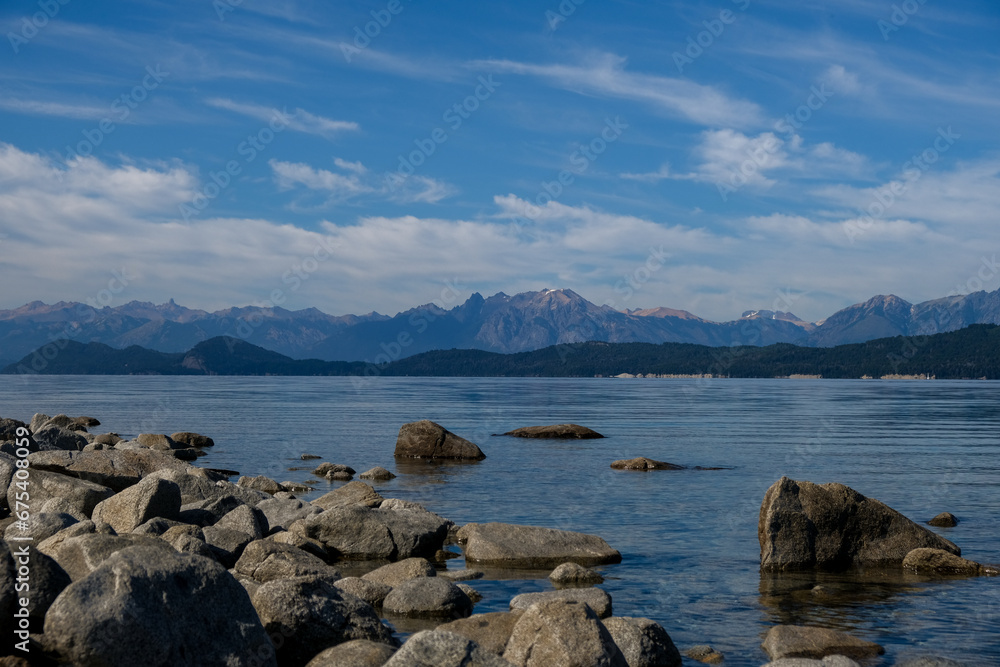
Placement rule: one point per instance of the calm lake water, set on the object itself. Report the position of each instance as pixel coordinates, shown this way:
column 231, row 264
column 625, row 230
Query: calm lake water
column 688, row 538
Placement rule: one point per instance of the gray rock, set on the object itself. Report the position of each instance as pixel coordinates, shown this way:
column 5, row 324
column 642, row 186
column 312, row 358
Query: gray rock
column 60, row 506
column 556, row 432
column 247, row 519
column 574, row 574
column 189, row 544
column 7, row 469
column 437, row 648
column 503, row 544
column 157, row 526
column 81, row 495
column 195, row 486
column 706, row 654
column 562, row 632
column 828, row 661
column 188, row 439
column 928, row 661
column 355, row 493
column 129, row 509
column 427, row 597
column 355, row 653
column 799, row 641
column 371, row 592
column 157, row 441
column 260, row 483
column 41, row 526
column 57, row 437
column 937, row 561
column 309, row 545
column 378, row 472
column 155, row 607
column 361, row 533
column 47, row 580
column 117, row 469
column 227, row 544
column 491, row 631
column 595, row 598
column 944, row 520
column 427, row 440
column 394, row 574
column 173, row 532
column 642, row 463
column 306, row 615
column 643, row 643
column 327, row 469
column 461, row 575
column 266, row 560
column 832, row 526
column 50, row 544
column 37, row 421
column 471, row 592
column 283, row 513
column 82, row 554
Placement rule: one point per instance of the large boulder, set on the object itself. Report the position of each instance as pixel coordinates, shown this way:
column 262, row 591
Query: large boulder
column 355, row 653
column 79, row 556
column 556, row 432
column 39, row 527
column 153, row 607
column 427, row 597
column 831, row 526
column 266, row 560
column 937, row 561
column 509, row 545
column 491, row 631
column 437, row 648
column 57, row 437
column 137, row 504
column 283, row 513
column 305, row 615
column 371, row 592
column 81, row 495
column 562, row 632
column 361, row 533
column 595, row 598
column 800, row 641
column 643, row 643
column 428, row 440
column 117, row 469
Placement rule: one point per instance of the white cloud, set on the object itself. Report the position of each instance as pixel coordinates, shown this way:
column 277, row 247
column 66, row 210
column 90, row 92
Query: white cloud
column 661, row 174
column 359, row 182
column 299, row 120
column 841, row 81
column 59, row 109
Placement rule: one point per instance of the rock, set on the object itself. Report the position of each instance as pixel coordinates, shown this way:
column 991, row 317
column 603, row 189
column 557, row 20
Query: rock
column 491, row 631
column 642, row 463
column 938, row 561
column 461, row 575
column 394, row 574
column 189, row 439
column 60, row 506
column 562, row 632
column 828, row 661
column 355, row 653
column 260, row 483
column 799, row 641
column 83, row 423
column 427, row 597
column 246, row 519
column 327, row 469
column 427, row 440
column 705, row 653
column 310, row 457
column 573, row 574
column 371, row 592
column 595, row 598
column 227, row 544
column 556, row 431
column 117, row 469
column 832, row 526
column 7, row 468
column 308, row 614
column 83, row 554
column 265, row 560
column 503, row 544
column 944, row 520
column 41, row 526
column 157, row 441
column 57, row 437
column 361, row 533
column 437, row 648
column 378, row 472
column 51, row 544
column 47, row 579
column 156, row 607
column 138, row 504
column 283, row 513
column 314, row 547
column 355, row 493
column 471, row 592
column 928, row 661
column 643, row 643
column 8, row 428
column 157, row 526
column 340, row 476
column 37, row 421
column 111, row 439
column 83, row 496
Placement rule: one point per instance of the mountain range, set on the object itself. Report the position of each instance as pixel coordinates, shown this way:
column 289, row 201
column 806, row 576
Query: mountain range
column 500, row 323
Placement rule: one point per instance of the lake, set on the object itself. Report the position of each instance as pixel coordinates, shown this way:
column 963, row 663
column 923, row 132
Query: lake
column 688, row 538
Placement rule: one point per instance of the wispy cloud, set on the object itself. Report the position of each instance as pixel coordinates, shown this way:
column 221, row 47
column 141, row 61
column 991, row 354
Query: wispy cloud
column 660, row 174
column 299, row 120
column 358, row 181
column 59, row 109
column 606, row 74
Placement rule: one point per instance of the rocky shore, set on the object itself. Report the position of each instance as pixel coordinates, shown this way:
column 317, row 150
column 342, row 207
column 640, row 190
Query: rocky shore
column 123, row 552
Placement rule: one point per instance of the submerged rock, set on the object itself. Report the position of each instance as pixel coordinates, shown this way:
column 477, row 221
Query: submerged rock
column 941, row 562
column 427, row 440
column 504, row 544
column 832, row 526
column 556, row 432
column 574, row 574
column 799, row 641
column 378, row 472
column 705, row 653
column 944, row 520
column 642, row 463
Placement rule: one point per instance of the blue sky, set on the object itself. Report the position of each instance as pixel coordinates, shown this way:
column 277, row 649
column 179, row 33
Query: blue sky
column 709, row 156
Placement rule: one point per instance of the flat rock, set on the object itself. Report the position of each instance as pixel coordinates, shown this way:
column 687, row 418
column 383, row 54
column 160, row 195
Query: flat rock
column 260, row 483
column 354, row 493
column 116, row 469
column 362, row 533
column 937, row 561
column 799, row 641
column 437, row 648
column 562, row 632
column 944, row 520
column 643, row 643
column 491, row 631
column 355, row 653
column 378, row 472
column 428, row 440
column 556, row 432
column 594, row 598
column 642, row 463
column 574, row 574
column 396, row 573
column 504, row 544
column 831, row 526
column 427, row 597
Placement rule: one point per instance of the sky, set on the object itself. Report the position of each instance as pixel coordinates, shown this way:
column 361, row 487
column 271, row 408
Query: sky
column 716, row 157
